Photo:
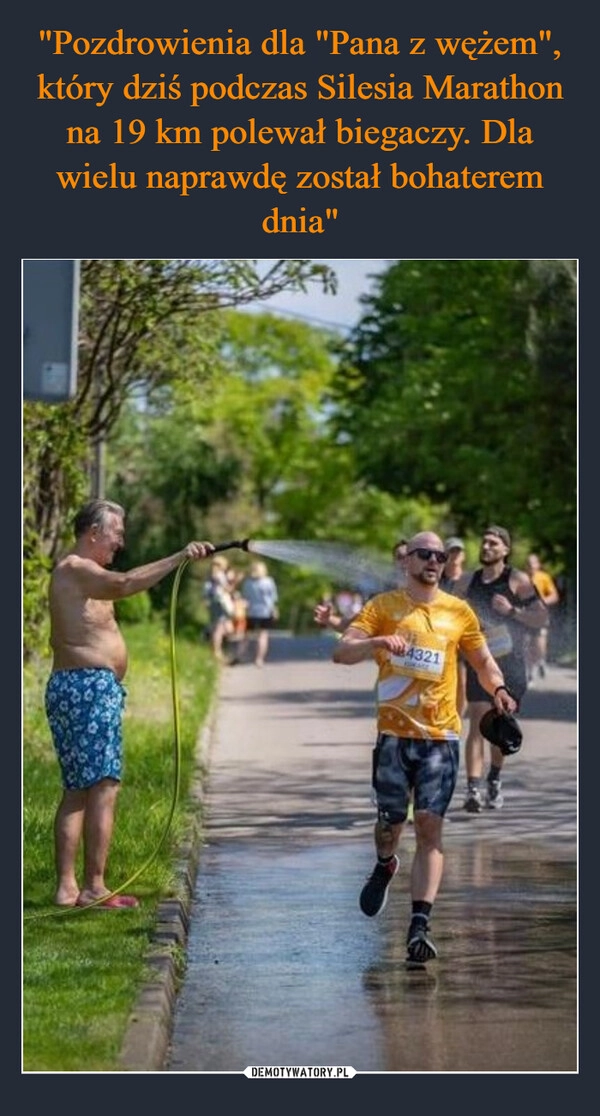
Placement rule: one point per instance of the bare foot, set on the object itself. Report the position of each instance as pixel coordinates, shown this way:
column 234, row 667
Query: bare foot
column 66, row 896
column 85, row 898
column 107, row 900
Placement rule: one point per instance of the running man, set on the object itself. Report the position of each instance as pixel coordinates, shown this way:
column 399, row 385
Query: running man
column 537, row 641
column 414, row 635
column 508, row 606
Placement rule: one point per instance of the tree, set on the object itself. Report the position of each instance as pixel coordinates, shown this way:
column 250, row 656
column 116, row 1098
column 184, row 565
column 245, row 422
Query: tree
column 139, row 329
column 252, row 457
column 138, row 325
column 459, row 384
column 246, row 457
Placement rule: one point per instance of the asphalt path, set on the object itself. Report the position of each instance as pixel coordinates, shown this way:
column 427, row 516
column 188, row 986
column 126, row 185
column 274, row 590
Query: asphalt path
column 282, row 967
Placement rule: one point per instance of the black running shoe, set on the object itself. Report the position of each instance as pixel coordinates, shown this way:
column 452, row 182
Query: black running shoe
column 419, row 946
column 472, row 803
column 373, row 896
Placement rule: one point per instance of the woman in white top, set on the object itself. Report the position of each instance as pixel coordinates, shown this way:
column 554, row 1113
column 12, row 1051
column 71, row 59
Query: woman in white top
column 260, row 592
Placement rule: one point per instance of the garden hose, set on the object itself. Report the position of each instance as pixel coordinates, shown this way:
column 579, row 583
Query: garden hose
column 177, row 766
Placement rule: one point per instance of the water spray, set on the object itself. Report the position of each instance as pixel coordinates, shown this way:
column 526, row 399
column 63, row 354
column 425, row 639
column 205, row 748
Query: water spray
column 342, row 563
column 360, row 568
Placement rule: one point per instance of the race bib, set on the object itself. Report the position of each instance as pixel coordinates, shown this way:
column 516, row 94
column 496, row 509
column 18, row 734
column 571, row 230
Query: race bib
column 499, row 640
column 425, row 658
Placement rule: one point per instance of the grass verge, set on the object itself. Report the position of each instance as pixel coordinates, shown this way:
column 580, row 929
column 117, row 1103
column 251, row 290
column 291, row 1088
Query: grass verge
column 82, row 970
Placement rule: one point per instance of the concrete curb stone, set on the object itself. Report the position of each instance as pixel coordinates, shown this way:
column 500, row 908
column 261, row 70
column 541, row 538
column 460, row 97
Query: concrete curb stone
column 147, row 1036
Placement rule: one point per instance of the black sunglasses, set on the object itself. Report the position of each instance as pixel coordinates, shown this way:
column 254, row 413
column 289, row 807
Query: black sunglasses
column 424, row 554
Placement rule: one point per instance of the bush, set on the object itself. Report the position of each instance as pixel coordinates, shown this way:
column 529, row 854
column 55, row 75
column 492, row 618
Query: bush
column 134, row 610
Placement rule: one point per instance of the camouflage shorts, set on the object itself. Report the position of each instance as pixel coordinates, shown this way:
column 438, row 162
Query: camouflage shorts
column 402, row 766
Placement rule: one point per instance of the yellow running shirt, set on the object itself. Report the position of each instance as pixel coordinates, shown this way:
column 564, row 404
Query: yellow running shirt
column 544, row 584
column 416, row 692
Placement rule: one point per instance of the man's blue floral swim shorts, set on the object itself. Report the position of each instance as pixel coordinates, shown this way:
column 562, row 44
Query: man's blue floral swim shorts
column 84, row 708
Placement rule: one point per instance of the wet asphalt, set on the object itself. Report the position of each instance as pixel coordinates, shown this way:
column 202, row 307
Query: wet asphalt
column 282, row 967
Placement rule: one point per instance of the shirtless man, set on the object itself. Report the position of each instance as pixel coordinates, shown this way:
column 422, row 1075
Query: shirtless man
column 84, row 696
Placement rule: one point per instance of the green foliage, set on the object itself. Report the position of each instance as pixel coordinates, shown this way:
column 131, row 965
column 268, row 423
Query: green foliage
column 459, row 385
column 54, row 462
column 146, row 328
column 134, row 610
column 36, row 567
column 140, row 324
column 450, row 406
column 52, row 474
column 253, row 457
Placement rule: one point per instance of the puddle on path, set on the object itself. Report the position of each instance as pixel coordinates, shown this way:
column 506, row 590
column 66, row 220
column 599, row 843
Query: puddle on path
column 283, row 969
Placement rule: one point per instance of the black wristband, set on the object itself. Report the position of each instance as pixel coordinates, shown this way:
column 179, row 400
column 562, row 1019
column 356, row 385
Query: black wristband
column 502, row 688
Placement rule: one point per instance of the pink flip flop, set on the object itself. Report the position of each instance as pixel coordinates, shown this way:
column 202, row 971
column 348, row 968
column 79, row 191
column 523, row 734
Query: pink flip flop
column 117, row 901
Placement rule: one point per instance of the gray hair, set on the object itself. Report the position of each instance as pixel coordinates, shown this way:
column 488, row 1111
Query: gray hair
column 95, row 511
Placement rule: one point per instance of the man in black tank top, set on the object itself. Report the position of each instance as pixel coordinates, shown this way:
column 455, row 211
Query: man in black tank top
column 508, row 606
